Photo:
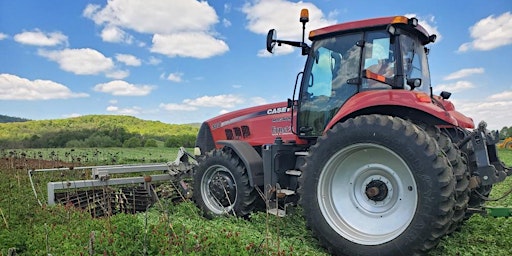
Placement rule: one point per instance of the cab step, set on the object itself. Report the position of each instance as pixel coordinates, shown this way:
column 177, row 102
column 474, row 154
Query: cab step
column 294, row 172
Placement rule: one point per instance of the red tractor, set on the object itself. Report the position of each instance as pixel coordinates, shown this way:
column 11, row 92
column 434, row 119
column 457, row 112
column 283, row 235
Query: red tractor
column 378, row 163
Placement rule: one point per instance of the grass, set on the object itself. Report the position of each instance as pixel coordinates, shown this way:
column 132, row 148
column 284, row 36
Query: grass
column 179, row 229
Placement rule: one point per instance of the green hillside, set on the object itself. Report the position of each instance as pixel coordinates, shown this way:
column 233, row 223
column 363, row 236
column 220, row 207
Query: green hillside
column 21, row 130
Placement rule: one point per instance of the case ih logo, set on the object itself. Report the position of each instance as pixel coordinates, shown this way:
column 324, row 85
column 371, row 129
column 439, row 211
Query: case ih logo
column 273, row 111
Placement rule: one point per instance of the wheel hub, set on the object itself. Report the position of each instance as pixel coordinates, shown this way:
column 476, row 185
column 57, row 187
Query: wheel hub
column 223, row 188
column 376, row 190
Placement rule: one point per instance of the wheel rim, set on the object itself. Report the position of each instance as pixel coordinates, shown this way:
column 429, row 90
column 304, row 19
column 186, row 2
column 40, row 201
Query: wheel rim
column 367, row 194
column 218, row 189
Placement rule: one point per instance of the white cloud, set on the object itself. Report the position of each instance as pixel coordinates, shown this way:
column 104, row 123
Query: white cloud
column 463, row 73
column 494, row 110
column 18, row 88
column 177, row 107
column 153, row 61
column 187, row 20
column 278, row 50
column 428, row 23
column 114, row 34
column 188, row 44
column 3, row 36
column 123, row 88
column 225, row 100
column 83, row 61
column 40, row 38
column 506, row 95
column 175, row 77
column 124, row 111
column 227, row 8
column 71, row 115
column 117, row 74
column 454, row 87
column 128, row 59
column 490, row 33
column 258, row 101
column 226, row 23
column 154, row 16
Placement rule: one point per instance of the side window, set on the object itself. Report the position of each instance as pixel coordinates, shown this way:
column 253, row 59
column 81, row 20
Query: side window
column 415, row 62
column 378, row 58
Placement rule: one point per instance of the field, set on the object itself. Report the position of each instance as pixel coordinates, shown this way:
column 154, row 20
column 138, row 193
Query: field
column 170, row 228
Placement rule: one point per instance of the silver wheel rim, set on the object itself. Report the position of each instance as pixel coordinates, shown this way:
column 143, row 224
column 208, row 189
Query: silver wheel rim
column 367, row 194
column 212, row 202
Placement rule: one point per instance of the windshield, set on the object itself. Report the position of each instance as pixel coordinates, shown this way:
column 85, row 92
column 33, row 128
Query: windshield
column 414, row 58
column 333, row 63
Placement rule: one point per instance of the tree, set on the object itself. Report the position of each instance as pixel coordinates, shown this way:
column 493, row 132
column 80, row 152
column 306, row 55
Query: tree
column 505, row 132
column 133, row 142
column 150, row 143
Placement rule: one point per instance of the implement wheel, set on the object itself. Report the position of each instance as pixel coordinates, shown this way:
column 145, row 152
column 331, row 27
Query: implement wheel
column 376, row 185
column 221, row 185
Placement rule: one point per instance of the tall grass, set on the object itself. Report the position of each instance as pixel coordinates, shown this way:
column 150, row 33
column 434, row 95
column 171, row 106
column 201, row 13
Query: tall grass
column 179, row 229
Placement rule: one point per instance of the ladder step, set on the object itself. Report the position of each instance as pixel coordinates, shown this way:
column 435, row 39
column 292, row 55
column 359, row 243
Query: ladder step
column 286, row 192
column 277, row 212
column 294, row 172
column 302, row 153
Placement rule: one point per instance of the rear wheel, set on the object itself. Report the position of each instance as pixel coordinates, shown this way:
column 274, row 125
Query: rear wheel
column 460, row 171
column 221, row 185
column 376, row 185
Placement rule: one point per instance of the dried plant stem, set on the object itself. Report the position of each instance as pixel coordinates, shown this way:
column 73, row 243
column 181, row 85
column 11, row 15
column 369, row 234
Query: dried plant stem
column 5, row 220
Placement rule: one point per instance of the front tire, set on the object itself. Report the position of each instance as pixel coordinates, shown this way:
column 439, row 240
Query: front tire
column 221, row 185
column 375, row 185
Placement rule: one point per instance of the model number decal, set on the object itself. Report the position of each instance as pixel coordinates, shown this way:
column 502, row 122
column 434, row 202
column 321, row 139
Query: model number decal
column 280, row 130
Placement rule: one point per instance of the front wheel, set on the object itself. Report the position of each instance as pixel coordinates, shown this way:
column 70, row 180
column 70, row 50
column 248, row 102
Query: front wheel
column 377, row 185
column 221, row 185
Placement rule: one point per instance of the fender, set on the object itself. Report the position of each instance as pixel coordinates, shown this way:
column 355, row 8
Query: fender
column 410, row 99
column 250, row 157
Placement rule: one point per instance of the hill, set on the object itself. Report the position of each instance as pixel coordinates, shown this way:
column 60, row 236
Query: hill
column 21, row 130
column 10, row 119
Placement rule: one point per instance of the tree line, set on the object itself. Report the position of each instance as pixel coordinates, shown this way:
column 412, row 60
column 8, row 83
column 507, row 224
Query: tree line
column 505, row 132
column 117, row 137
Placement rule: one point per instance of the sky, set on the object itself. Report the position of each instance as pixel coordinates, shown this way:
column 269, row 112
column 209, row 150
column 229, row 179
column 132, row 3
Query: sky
column 185, row 61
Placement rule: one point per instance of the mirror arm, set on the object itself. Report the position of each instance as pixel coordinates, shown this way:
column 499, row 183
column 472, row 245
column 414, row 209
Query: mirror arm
column 304, row 46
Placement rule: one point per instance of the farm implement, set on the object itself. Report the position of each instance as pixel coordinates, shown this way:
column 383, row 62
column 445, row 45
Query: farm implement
column 379, row 164
column 116, row 188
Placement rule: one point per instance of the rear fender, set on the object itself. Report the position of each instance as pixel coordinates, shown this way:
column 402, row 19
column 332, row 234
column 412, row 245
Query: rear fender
column 406, row 104
column 250, row 157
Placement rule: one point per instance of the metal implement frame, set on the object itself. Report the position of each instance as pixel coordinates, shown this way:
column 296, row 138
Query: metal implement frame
column 101, row 177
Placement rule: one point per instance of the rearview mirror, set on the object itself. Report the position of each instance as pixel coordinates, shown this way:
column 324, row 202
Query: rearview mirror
column 271, row 40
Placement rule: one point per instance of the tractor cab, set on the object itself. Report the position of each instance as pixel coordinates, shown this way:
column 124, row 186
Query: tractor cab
column 349, row 58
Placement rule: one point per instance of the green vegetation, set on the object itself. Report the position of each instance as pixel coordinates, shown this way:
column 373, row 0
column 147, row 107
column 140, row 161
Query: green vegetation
column 179, row 229
column 505, row 132
column 90, row 156
column 95, row 131
column 10, row 119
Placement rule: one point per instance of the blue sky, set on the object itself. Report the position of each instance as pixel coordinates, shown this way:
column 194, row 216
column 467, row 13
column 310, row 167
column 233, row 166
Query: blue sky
column 183, row 61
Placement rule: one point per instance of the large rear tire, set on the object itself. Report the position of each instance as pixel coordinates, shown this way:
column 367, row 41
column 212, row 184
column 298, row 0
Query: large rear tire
column 460, row 170
column 376, row 185
column 221, row 185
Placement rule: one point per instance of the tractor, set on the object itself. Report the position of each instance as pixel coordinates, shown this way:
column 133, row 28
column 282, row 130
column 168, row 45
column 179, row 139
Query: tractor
column 379, row 164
